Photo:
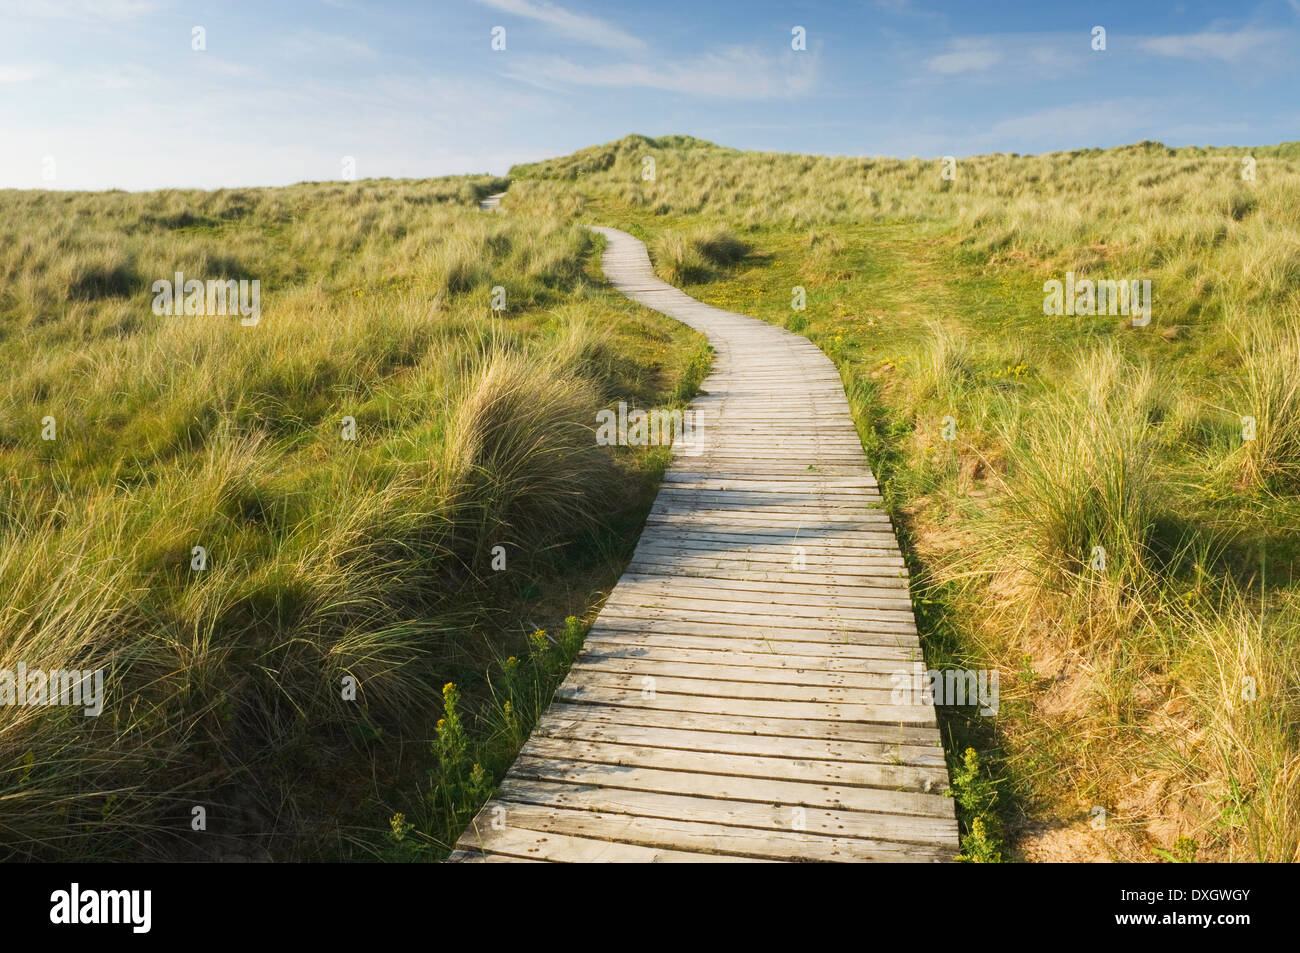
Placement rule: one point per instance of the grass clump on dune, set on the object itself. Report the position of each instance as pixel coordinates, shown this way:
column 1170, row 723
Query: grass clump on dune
column 1268, row 395
column 696, row 256
column 1082, row 473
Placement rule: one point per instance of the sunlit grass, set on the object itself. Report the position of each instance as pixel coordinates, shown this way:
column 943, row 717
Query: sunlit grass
column 347, row 465
column 1069, row 434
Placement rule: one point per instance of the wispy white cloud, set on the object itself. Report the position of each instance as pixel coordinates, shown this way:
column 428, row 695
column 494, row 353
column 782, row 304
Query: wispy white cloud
column 736, row 73
column 18, row 74
column 577, row 26
column 1090, row 122
column 907, row 10
column 327, row 46
column 121, row 76
column 1229, row 47
column 118, row 10
column 966, row 56
column 229, row 68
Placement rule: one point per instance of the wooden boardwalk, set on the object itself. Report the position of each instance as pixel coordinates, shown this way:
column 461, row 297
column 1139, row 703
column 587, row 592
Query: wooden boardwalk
column 733, row 698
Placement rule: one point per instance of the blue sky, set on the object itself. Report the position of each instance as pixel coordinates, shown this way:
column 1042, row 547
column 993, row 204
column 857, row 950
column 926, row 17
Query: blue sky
column 110, row 93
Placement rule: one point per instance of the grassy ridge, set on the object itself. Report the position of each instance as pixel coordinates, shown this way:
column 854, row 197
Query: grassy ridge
column 327, row 558
column 1163, row 689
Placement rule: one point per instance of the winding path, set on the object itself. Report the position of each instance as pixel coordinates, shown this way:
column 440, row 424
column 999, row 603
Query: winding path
column 734, row 698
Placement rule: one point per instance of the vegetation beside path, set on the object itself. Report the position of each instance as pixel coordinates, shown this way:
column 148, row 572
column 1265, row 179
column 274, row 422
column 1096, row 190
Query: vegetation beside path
column 279, row 540
column 1105, row 512
column 1150, row 708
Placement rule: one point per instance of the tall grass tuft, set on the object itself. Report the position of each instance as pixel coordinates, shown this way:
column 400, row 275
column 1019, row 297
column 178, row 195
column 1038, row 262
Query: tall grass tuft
column 1269, row 392
column 521, row 454
column 696, row 256
column 944, row 365
column 1246, row 678
column 1082, row 471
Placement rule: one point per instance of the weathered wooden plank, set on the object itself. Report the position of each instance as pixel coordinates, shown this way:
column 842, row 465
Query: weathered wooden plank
column 718, row 535
column 786, row 619
column 583, row 688
column 482, row 857
column 801, row 587
column 708, row 838
column 757, row 726
column 769, row 815
column 552, row 845
column 864, row 774
column 584, row 726
column 838, row 634
column 708, row 538
column 850, row 653
column 767, row 790
column 788, row 556
column 722, row 668
column 789, row 607
column 654, row 650
column 812, row 574
column 750, row 519
column 776, row 597
column 703, row 684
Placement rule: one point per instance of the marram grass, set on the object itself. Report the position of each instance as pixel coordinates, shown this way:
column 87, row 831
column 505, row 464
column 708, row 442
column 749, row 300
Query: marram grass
column 347, row 467
column 1100, row 522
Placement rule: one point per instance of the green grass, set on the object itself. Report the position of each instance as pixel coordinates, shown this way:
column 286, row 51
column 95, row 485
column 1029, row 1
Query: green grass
column 474, row 748
column 329, row 561
column 1162, row 686
column 1124, row 687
